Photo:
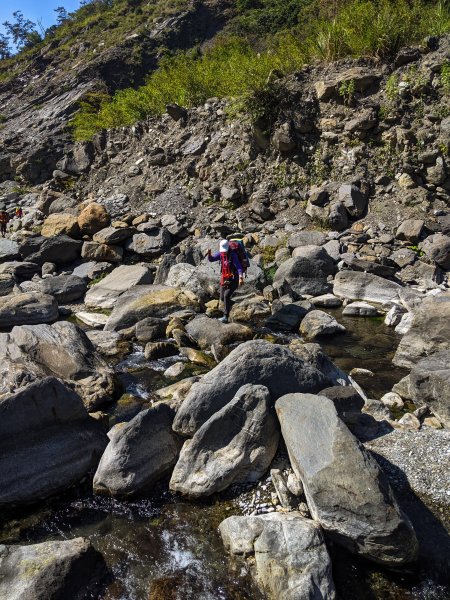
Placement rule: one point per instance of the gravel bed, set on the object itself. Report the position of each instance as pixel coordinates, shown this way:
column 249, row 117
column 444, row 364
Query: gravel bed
column 420, row 459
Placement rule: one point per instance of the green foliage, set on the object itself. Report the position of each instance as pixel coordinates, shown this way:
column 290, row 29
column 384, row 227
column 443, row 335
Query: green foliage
column 233, row 68
column 380, row 28
column 269, row 273
column 417, row 250
column 347, row 91
column 445, row 78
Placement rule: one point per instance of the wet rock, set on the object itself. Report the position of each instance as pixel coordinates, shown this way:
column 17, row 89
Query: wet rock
column 430, row 384
column 360, row 309
column 155, row 350
column 354, row 285
column 287, row 317
column 346, row 491
column 250, row 310
column 139, row 453
column 48, row 442
column 326, row 301
column 108, row 343
column 57, row 569
column 429, row 331
column 317, row 323
column 255, row 362
column 305, row 274
column 150, row 329
column 235, row 445
column 105, row 293
column 144, row 301
column 31, row 352
column 27, row 309
column 206, row 332
column 291, row 558
column 64, row 288
column 93, row 218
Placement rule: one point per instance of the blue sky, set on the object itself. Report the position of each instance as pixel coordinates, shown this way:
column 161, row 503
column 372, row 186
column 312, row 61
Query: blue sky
column 34, row 10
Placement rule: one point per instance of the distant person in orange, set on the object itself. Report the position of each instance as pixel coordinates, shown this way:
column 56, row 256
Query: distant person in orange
column 18, row 212
column 4, row 220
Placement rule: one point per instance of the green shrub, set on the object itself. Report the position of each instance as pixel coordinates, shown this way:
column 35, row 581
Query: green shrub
column 233, row 68
column 445, row 78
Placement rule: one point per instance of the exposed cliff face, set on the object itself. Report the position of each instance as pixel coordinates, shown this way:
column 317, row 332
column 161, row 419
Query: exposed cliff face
column 37, row 104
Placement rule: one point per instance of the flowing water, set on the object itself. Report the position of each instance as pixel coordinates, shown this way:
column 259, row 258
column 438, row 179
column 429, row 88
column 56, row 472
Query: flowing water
column 162, row 547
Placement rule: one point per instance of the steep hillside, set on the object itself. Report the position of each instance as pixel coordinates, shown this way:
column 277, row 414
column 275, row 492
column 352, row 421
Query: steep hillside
column 40, row 88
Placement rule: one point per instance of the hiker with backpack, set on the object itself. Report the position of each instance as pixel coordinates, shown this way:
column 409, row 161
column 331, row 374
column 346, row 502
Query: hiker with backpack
column 232, row 266
column 4, row 220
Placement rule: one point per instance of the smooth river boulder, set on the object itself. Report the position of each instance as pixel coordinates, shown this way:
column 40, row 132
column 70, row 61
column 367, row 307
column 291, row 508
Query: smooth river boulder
column 63, row 350
column 140, row 452
column 290, row 556
column 256, row 362
column 27, row 309
column 355, row 285
column 306, row 274
column 105, row 293
column 236, row 445
column 429, row 331
column 429, row 383
column 57, row 569
column 346, row 490
column 206, row 332
column 318, row 323
column 144, row 301
column 48, row 442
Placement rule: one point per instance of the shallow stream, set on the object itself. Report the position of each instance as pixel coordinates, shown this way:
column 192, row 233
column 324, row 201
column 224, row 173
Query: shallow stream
column 161, row 547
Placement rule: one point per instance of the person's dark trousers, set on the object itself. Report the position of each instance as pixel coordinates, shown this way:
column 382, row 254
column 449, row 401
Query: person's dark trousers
column 226, row 294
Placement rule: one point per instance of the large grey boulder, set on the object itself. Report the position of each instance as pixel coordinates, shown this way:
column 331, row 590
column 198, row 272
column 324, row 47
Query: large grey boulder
column 140, row 452
column 256, row 362
column 206, row 332
column 105, row 293
column 353, row 199
column 57, row 570
column 64, row 288
column 27, row 309
column 63, row 350
column 291, row 558
column 437, row 247
column 318, row 323
column 144, row 301
column 236, row 445
column 410, row 230
column 48, row 442
column 347, row 493
column 150, row 244
column 111, row 235
column 9, row 250
column 353, row 285
column 307, row 238
column 60, row 249
column 429, row 331
column 429, row 383
column 306, row 274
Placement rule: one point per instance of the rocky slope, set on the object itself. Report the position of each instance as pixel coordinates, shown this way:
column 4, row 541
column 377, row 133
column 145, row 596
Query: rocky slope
column 343, row 199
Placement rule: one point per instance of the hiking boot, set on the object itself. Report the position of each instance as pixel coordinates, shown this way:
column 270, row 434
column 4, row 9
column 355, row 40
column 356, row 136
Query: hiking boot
column 223, row 319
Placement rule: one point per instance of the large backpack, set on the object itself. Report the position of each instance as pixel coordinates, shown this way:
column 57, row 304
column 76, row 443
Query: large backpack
column 237, row 245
